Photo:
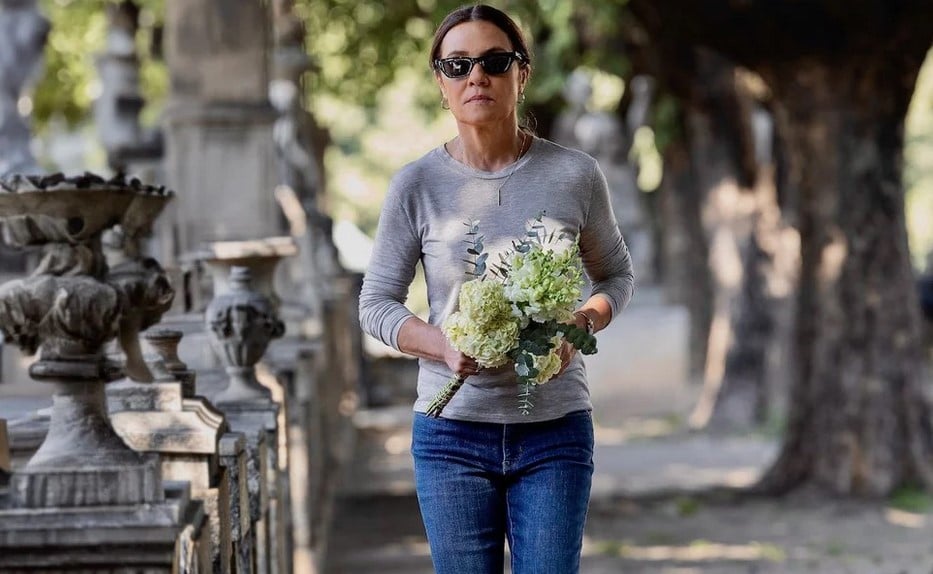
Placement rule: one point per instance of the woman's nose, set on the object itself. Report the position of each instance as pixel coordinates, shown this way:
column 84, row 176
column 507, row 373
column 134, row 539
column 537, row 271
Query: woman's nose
column 478, row 75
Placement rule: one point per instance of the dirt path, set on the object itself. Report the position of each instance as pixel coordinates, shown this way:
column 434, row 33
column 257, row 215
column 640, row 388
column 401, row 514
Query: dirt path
column 686, row 535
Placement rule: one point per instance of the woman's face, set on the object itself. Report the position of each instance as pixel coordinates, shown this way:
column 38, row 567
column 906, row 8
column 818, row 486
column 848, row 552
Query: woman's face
column 480, row 98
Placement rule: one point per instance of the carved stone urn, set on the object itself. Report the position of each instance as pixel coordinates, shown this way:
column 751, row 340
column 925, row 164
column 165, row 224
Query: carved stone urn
column 260, row 256
column 242, row 322
column 67, row 311
column 141, row 277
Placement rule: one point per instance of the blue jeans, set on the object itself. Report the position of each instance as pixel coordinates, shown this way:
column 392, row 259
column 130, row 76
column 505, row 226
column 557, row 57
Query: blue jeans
column 479, row 484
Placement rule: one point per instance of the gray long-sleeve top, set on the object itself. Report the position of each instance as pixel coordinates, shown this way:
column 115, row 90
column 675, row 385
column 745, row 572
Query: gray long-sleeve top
column 423, row 218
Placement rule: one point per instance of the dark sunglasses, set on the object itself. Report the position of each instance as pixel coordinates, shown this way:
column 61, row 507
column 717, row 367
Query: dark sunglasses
column 493, row 64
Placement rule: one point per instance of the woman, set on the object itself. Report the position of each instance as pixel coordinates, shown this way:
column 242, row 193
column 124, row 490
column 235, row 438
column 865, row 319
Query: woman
column 485, row 473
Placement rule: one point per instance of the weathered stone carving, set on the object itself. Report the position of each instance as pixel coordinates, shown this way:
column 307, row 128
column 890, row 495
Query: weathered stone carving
column 89, row 486
column 158, row 417
column 242, row 322
column 169, row 366
column 67, row 311
column 141, row 281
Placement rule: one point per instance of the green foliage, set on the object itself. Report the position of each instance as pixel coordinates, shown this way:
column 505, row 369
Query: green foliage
column 475, row 249
column 911, row 499
column 687, row 506
column 361, row 45
column 69, row 83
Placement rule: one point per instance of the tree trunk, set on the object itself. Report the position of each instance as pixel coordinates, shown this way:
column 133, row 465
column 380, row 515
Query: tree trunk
column 684, row 249
column 842, row 75
column 739, row 214
column 859, row 423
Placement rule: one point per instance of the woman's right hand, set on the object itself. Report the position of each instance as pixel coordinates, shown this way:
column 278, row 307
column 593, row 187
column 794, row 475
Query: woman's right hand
column 462, row 365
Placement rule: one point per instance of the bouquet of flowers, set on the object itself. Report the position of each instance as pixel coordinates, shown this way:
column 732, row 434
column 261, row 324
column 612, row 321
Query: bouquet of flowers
column 518, row 311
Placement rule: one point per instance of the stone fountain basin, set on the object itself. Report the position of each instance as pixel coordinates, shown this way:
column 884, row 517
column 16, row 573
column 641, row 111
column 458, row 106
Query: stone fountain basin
column 73, row 215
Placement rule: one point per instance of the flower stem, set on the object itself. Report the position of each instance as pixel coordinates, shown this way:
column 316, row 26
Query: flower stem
column 524, row 398
column 444, row 395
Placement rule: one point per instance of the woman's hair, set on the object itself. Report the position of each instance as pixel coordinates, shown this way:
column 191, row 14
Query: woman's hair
column 481, row 13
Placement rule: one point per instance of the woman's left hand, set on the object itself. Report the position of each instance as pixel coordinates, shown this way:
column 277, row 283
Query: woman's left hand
column 566, row 351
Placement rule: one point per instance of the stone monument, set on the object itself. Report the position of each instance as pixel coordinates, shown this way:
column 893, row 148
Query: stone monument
column 83, row 488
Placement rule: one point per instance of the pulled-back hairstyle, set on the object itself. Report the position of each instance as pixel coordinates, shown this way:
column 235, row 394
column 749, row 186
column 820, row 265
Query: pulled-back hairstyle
column 481, row 13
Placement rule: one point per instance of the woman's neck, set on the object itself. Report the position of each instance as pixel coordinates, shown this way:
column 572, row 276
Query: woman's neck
column 489, row 150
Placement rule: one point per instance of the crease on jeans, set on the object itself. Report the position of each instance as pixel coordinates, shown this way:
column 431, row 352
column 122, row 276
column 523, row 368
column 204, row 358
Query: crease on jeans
column 508, row 531
column 505, row 451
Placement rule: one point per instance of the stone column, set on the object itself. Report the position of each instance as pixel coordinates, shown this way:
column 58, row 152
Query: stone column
column 84, row 489
column 218, row 122
column 609, row 139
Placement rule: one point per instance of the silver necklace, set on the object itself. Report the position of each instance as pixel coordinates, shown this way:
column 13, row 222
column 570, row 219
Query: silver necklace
column 521, row 151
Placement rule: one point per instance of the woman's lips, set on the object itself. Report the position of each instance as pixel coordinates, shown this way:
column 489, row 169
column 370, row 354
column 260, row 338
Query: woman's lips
column 480, row 99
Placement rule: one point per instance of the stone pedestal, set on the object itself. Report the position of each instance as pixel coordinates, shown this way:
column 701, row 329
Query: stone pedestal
column 258, row 425
column 166, row 417
column 86, row 500
column 235, row 490
column 184, row 432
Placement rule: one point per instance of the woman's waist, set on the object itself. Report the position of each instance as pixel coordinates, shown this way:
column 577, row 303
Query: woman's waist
column 437, row 372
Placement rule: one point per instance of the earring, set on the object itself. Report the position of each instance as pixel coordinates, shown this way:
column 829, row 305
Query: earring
column 445, row 105
column 521, row 97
